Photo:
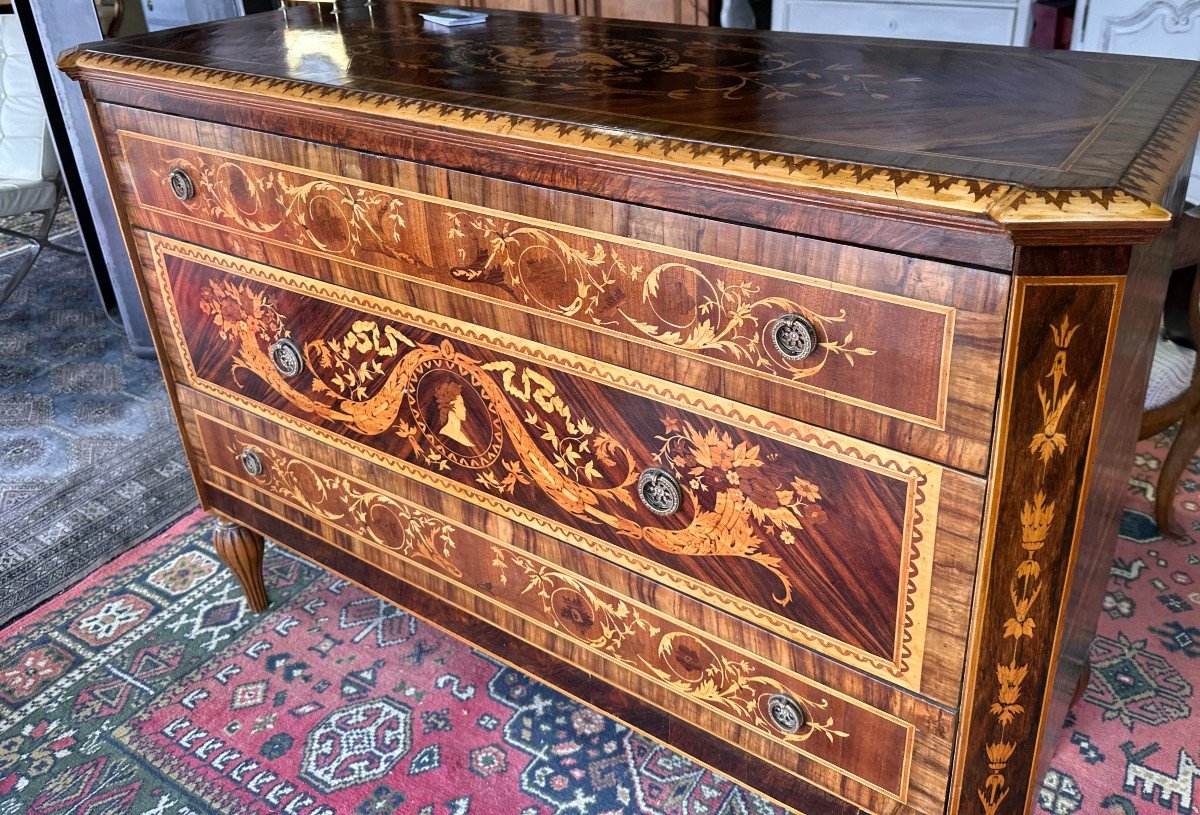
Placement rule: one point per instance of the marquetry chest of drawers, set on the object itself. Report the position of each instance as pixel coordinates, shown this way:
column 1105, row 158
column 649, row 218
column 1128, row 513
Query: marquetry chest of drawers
column 771, row 393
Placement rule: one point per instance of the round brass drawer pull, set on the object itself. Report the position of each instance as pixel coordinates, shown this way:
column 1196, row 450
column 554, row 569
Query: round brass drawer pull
column 251, row 462
column 659, row 491
column 795, row 337
column 286, row 357
column 181, row 184
column 785, row 713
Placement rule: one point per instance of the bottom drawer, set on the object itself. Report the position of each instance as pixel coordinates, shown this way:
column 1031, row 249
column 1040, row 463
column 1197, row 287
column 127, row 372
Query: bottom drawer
column 847, row 747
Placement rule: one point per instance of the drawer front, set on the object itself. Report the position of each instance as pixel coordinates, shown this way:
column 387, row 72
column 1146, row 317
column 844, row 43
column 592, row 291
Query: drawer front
column 912, row 342
column 973, row 23
column 823, row 539
column 859, row 742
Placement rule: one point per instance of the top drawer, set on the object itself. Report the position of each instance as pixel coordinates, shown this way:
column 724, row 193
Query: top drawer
column 892, row 349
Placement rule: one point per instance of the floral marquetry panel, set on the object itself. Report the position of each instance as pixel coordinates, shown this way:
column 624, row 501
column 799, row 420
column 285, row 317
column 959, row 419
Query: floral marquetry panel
column 821, row 538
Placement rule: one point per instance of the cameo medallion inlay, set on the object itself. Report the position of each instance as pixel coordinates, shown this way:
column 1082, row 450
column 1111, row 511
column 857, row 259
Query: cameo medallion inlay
column 786, row 514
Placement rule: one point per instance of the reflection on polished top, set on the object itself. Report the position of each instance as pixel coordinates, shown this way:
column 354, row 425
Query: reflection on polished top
column 782, row 106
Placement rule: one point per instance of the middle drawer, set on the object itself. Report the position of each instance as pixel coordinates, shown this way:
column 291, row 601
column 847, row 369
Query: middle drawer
column 853, row 550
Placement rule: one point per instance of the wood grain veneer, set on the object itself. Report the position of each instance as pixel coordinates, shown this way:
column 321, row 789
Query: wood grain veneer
column 905, row 754
column 906, row 540
column 854, row 494
column 918, row 373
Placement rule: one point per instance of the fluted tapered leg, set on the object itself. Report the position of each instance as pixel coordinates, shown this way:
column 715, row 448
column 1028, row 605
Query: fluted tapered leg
column 241, row 550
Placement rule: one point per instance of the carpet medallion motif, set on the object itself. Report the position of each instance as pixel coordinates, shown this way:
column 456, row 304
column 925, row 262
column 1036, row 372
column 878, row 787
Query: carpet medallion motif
column 1131, row 743
column 151, row 689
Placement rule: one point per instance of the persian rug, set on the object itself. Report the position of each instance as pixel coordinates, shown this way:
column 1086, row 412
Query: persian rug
column 149, row 688
column 90, row 460
column 1131, row 744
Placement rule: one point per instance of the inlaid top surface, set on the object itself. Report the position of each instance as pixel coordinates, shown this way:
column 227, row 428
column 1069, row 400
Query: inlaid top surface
column 1038, row 119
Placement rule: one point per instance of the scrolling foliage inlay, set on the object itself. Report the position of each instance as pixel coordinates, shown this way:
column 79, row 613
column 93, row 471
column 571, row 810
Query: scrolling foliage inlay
column 755, row 534
column 692, row 304
column 529, row 435
column 699, row 667
column 594, row 282
column 678, row 658
column 728, row 320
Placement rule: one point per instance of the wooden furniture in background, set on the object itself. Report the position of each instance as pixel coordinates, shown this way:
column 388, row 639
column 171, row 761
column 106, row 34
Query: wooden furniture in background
column 1183, row 324
column 760, row 390
column 685, row 12
column 160, row 14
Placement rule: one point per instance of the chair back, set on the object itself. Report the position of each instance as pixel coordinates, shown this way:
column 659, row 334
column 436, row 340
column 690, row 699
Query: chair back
column 26, row 151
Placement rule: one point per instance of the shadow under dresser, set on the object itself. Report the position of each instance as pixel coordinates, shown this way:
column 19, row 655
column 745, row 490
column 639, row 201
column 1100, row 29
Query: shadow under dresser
column 770, row 393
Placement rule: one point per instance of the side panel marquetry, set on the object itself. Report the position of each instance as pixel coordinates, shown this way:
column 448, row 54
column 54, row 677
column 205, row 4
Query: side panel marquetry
column 1056, row 371
column 837, row 731
column 821, row 538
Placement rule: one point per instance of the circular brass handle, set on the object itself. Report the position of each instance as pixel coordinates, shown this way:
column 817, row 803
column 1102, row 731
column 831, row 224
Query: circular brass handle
column 659, row 491
column 251, row 462
column 795, row 337
column 181, row 184
column 785, row 713
column 286, row 357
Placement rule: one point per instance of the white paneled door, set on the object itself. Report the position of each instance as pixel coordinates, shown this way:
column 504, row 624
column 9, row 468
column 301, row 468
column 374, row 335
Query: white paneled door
column 1155, row 28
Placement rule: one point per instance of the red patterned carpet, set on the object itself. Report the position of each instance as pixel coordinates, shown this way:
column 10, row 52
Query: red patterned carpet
column 149, row 688
column 1131, row 744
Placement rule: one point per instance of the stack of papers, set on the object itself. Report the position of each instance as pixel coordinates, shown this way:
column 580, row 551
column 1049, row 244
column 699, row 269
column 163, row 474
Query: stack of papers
column 454, row 17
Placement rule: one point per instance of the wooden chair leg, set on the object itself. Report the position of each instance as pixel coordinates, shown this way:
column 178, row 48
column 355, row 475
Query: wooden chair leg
column 1183, row 448
column 241, row 549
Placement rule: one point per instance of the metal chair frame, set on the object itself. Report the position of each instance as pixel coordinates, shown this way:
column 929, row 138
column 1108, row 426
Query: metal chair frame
column 38, row 242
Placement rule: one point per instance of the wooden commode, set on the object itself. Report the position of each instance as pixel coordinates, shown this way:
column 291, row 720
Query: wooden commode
column 771, row 393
